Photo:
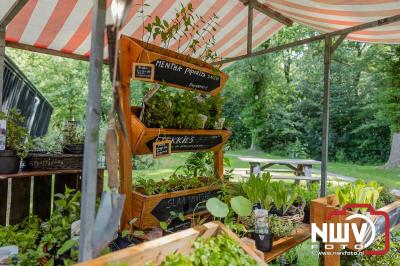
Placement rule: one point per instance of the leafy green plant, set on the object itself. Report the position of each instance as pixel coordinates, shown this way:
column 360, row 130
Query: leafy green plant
column 239, row 204
column 220, row 250
column 359, row 192
column 17, row 138
column 290, row 257
column 308, row 193
column 283, row 197
column 173, row 215
column 385, row 197
column 257, row 189
column 280, row 227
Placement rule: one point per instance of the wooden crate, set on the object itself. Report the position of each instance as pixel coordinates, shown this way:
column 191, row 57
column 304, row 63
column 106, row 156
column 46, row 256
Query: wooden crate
column 183, row 140
column 321, row 207
column 151, row 210
column 156, row 250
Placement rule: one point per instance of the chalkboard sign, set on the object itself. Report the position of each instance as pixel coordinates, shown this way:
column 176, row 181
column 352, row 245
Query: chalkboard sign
column 182, row 204
column 191, row 78
column 143, row 71
column 161, row 148
column 188, row 142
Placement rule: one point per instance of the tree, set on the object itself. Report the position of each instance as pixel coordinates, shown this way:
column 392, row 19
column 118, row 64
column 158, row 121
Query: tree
column 392, row 107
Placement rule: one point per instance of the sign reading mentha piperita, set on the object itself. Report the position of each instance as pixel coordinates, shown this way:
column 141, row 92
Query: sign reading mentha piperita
column 173, row 73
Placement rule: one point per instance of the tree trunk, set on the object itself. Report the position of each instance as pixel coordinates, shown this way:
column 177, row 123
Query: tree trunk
column 254, row 141
column 394, row 158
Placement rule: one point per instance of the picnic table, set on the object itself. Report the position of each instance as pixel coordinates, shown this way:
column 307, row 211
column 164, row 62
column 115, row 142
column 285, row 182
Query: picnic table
column 301, row 168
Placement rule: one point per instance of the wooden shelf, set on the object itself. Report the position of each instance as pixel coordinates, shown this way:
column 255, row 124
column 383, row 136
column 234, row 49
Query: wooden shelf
column 281, row 245
column 183, row 140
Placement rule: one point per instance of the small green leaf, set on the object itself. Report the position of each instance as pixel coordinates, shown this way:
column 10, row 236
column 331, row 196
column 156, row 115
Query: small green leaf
column 164, row 226
column 67, row 246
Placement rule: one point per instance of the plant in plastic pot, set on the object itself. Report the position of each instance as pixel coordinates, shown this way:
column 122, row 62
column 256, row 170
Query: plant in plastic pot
column 17, row 141
column 289, row 258
column 262, row 234
column 74, row 138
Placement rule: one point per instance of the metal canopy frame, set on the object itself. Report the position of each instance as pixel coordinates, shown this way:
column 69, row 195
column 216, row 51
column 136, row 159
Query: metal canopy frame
column 96, row 60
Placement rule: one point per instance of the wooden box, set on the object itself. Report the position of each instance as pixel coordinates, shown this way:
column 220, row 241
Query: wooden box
column 155, row 251
column 320, row 209
column 151, row 210
column 183, row 140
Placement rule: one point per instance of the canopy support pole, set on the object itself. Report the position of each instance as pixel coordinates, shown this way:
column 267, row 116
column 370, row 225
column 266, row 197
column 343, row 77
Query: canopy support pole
column 2, row 63
column 268, row 12
column 92, row 131
column 250, row 27
column 325, row 116
column 8, row 17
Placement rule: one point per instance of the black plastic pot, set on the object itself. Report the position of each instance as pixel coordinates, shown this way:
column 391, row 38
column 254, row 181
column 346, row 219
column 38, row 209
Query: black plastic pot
column 306, row 218
column 73, row 149
column 263, row 241
column 9, row 162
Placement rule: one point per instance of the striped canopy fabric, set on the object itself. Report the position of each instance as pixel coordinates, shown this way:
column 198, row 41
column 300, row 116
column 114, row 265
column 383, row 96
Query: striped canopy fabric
column 64, row 25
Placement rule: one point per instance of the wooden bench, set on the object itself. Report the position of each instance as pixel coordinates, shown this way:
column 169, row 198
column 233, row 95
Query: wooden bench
column 291, row 177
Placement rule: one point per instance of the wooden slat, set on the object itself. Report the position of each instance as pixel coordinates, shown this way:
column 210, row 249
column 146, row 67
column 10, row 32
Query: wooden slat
column 62, row 180
column 42, row 196
column 40, row 173
column 3, row 201
column 20, row 199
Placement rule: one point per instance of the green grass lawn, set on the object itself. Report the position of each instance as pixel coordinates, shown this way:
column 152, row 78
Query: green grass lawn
column 164, row 167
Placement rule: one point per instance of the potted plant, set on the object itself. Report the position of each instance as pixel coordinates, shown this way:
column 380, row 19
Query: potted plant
column 17, row 142
column 262, row 234
column 74, row 138
column 289, row 258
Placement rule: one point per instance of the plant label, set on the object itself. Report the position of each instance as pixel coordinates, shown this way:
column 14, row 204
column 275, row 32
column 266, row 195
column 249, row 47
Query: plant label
column 3, row 126
column 177, row 74
column 162, row 148
column 142, row 71
column 189, row 142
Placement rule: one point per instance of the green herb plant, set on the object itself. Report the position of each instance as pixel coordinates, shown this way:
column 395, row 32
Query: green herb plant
column 220, row 250
column 18, row 138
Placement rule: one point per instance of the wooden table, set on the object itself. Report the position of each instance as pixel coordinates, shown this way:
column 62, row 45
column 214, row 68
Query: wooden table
column 302, row 169
column 32, row 192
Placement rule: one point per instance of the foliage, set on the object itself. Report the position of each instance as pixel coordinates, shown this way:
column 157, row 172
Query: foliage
column 189, row 35
column 308, row 193
column 50, row 239
column 282, row 197
column 198, row 164
column 257, row 189
column 385, row 197
column 280, row 227
column 17, row 138
column 173, row 183
column 290, row 257
column 359, row 192
column 220, row 250
column 239, row 205
column 181, row 110
column 73, row 133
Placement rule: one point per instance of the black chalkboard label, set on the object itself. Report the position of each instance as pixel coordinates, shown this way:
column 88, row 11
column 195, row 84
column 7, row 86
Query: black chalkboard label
column 172, row 73
column 143, row 71
column 188, row 142
column 182, row 204
column 161, row 148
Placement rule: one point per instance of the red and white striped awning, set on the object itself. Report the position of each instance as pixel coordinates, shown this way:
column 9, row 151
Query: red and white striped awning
column 64, row 25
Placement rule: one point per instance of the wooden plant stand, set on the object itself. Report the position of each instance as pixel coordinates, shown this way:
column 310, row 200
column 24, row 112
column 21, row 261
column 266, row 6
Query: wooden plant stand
column 155, row 251
column 151, row 210
column 146, row 62
column 321, row 207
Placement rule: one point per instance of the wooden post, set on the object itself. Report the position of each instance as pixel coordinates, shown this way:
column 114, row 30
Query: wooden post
column 125, row 152
column 249, row 27
column 93, row 110
column 219, row 163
